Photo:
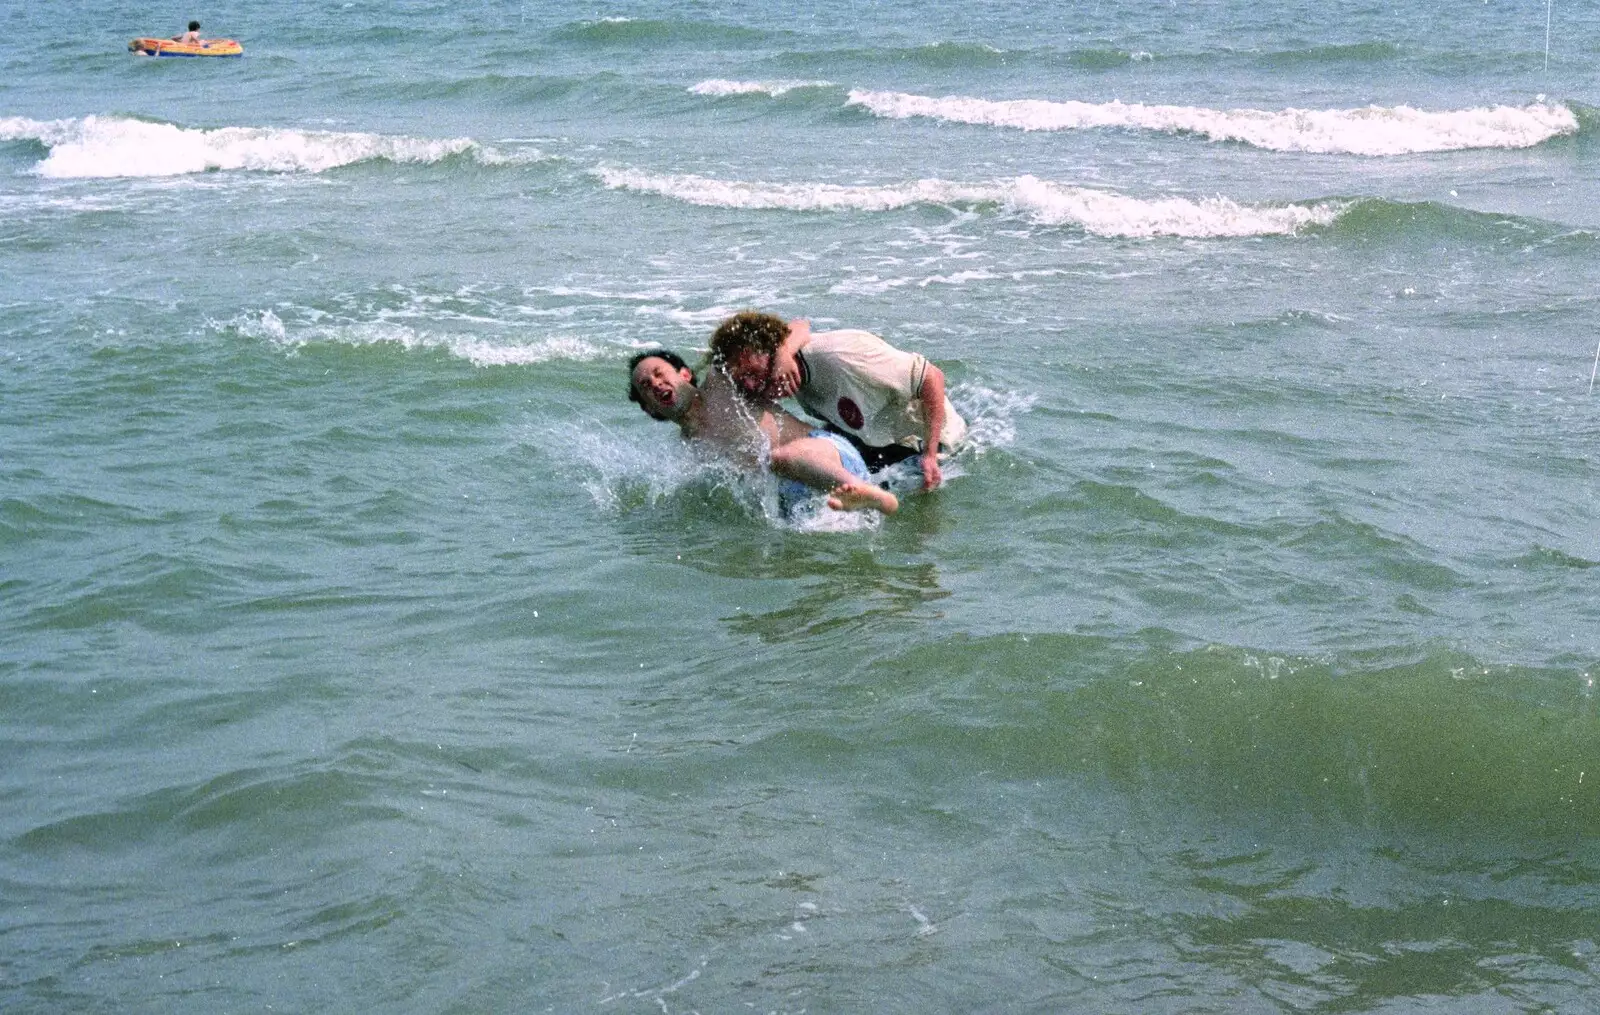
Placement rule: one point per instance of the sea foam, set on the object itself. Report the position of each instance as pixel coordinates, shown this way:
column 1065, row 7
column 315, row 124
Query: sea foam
column 477, row 351
column 1373, row 130
column 711, row 192
column 719, row 87
column 1107, row 213
column 111, row 146
column 1102, row 212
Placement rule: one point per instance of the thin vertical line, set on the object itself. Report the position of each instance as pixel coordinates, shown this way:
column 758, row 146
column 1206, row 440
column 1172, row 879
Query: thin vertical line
column 1547, row 4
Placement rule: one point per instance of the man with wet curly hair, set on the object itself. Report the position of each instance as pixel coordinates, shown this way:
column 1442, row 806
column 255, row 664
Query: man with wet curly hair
column 891, row 404
column 806, row 459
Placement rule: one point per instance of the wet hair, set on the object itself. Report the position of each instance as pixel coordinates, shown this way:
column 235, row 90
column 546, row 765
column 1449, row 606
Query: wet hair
column 748, row 329
column 194, row 26
column 671, row 357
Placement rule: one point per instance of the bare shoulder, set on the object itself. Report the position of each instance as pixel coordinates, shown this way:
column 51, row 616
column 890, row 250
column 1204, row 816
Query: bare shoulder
column 728, row 419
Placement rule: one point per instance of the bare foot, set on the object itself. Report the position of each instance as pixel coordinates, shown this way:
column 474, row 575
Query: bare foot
column 856, row 496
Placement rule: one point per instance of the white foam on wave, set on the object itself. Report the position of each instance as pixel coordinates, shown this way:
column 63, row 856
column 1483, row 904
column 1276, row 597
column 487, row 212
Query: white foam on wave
column 1373, row 130
column 490, row 155
column 720, row 87
column 477, row 351
column 1106, row 213
column 1102, row 212
column 111, row 146
column 704, row 190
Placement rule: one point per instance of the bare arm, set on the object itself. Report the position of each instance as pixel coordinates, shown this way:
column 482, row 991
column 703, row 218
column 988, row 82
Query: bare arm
column 932, row 395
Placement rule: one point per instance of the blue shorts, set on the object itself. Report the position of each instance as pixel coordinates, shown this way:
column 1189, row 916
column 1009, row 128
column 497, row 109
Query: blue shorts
column 792, row 491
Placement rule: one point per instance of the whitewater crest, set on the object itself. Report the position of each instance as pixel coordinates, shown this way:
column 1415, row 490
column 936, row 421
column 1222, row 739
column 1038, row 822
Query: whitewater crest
column 1107, row 213
column 1373, row 130
column 716, row 193
column 1102, row 212
column 720, row 88
column 112, row 146
column 268, row 326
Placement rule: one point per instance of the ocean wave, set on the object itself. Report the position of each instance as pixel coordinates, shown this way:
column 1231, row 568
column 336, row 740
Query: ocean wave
column 618, row 31
column 1352, row 52
column 1374, row 130
column 499, row 87
column 1588, row 116
column 475, row 350
column 956, row 54
column 111, row 146
column 1104, row 59
column 1102, row 212
column 703, row 190
column 964, row 55
column 1377, row 218
column 721, row 88
column 1110, row 214
column 1410, row 736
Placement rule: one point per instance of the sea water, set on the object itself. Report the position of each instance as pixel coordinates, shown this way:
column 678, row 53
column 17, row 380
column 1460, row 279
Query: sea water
column 362, row 647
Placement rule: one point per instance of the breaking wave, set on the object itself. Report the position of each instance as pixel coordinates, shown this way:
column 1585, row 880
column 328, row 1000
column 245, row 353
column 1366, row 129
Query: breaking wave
column 111, row 146
column 1102, row 212
column 721, row 88
column 476, row 350
column 1373, row 130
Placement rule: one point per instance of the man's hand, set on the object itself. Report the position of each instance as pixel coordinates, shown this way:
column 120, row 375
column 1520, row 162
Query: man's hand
column 785, row 377
column 783, row 373
column 931, row 476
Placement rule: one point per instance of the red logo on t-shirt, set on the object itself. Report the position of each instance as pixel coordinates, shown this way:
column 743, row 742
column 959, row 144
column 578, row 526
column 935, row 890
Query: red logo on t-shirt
column 850, row 413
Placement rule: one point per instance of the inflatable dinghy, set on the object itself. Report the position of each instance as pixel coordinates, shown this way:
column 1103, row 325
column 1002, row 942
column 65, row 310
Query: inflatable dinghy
column 167, row 47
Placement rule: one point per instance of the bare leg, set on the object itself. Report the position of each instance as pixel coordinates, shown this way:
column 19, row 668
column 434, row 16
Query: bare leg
column 815, row 462
column 858, row 494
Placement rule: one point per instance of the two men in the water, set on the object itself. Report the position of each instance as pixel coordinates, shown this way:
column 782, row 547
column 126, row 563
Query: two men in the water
column 891, row 404
column 882, row 405
column 713, row 412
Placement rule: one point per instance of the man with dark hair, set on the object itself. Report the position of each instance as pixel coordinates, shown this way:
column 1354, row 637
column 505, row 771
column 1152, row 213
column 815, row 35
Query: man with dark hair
column 192, row 35
column 672, row 359
column 712, row 412
column 891, row 404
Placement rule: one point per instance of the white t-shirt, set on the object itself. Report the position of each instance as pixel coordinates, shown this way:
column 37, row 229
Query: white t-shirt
column 866, row 387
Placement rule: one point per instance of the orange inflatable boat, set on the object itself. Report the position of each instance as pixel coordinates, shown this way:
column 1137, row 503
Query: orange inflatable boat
column 167, row 47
